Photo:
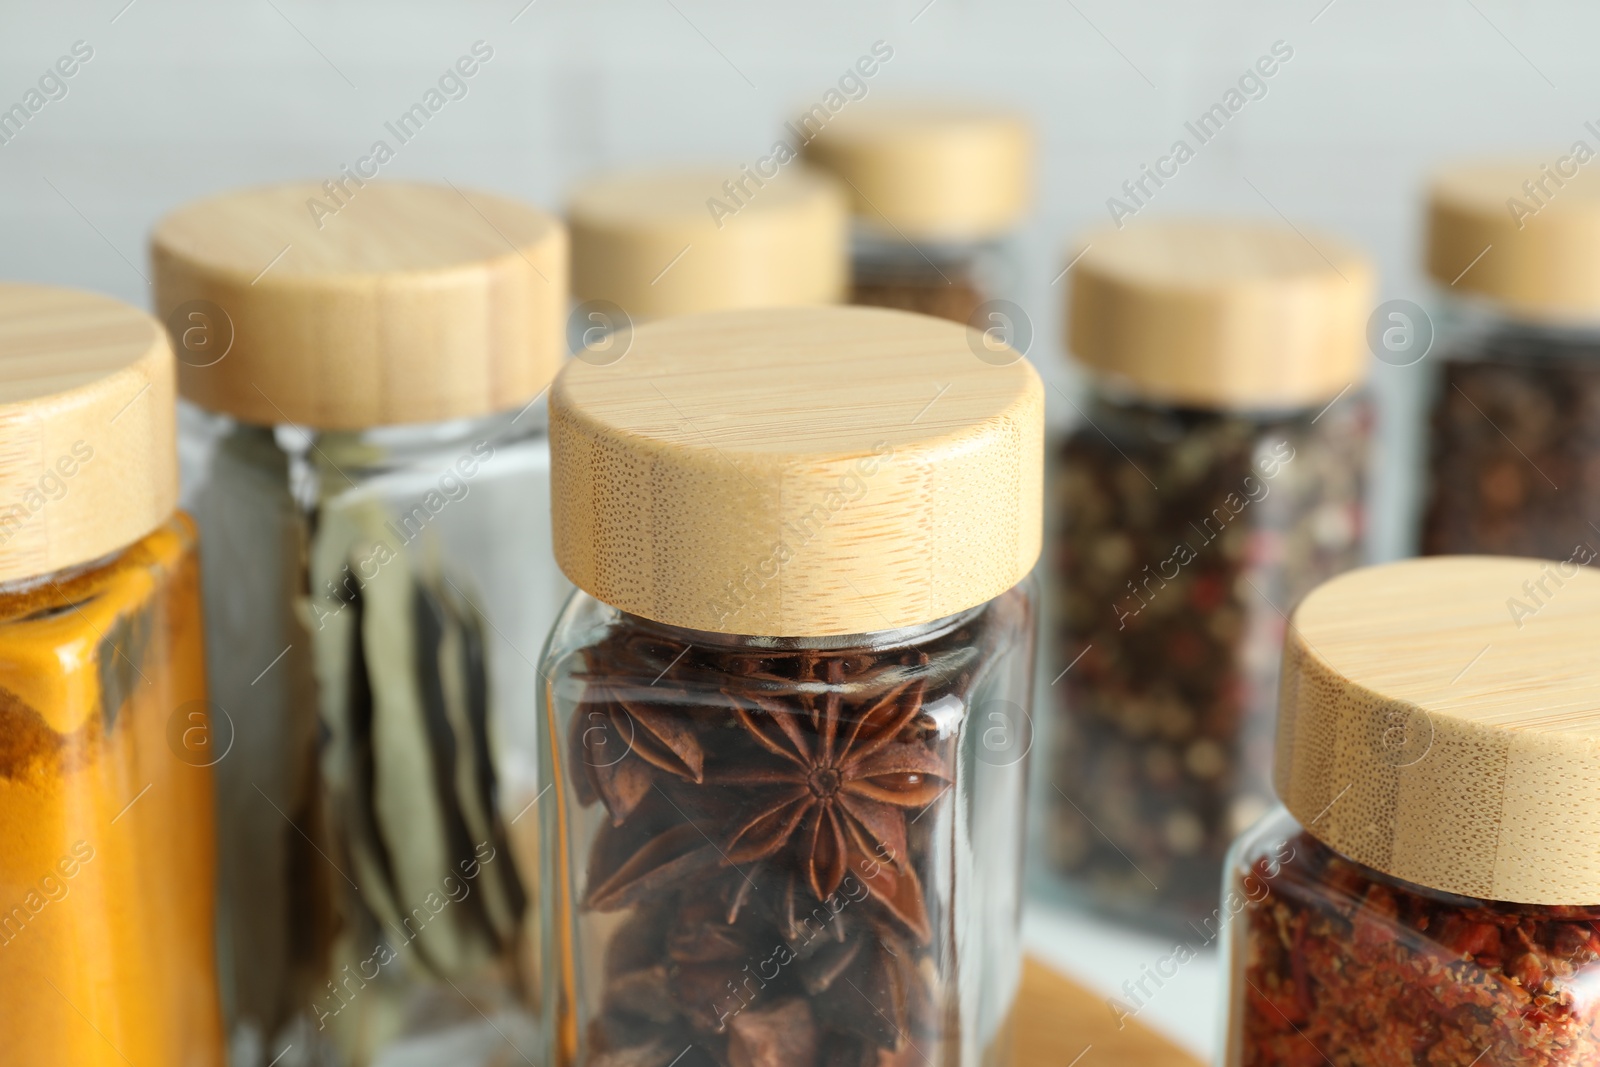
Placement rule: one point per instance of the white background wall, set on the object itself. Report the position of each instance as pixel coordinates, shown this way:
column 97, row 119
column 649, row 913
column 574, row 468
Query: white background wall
column 184, row 97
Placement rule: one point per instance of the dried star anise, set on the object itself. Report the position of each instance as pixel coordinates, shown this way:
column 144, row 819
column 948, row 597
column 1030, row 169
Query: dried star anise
column 770, row 834
column 839, row 791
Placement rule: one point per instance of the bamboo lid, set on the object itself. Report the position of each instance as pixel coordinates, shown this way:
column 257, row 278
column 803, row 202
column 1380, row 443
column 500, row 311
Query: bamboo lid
column 927, row 171
column 1221, row 314
column 88, row 431
column 410, row 303
column 1519, row 233
column 1440, row 722
column 674, row 242
column 798, row 472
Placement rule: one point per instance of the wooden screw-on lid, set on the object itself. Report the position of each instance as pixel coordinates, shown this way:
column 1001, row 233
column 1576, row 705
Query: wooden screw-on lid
column 1440, row 722
column 1519, row 233
column 674, row 242
column 88, row 434
column 798, row 472
column 408, row 303
column 926, row 171
column 1221, row 314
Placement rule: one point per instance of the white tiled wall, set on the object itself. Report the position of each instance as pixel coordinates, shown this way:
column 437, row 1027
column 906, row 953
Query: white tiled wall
column 186, row 96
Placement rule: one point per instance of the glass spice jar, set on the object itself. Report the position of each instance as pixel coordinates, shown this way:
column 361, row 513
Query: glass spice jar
column 1430, row 895
column 936, row 189
column 787, row 707
column 107, row 848
column 1514, row 444
column 1215, row 475
column 369, row 464
column 648, row 244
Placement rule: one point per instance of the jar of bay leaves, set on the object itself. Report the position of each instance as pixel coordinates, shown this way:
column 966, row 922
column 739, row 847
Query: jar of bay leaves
column 1214, row 476
column 936, row 190
column 366, row 452
column 107, row 848
column 1514, row 465
column 1429, row 890
column 647, row 244
column 787, row 707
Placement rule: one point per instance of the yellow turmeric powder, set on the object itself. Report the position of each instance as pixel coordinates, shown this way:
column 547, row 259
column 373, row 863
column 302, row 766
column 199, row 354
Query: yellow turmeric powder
column 106, row 846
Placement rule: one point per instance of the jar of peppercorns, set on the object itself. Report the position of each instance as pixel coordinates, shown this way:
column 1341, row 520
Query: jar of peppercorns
column 935, row 189
column 1514, row 463
column 651, row 243
column 366, row 454
column 1430, row 891
column 1214, row 476
column 787, row 707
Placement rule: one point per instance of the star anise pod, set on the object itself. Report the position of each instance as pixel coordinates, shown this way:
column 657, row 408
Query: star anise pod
column 836, row 796
column 620, row 742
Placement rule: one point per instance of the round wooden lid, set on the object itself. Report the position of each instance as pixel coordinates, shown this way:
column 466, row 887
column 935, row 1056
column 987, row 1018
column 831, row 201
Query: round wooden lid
column 88, row 432
column 1440, row 722
column 798, row 472
column 927, row 171
column 1519, row 233
column 1220, row 314
column 384, row 304
column 673, row 242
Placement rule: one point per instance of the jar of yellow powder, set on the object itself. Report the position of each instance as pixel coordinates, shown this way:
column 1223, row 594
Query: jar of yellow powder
column 106, row 841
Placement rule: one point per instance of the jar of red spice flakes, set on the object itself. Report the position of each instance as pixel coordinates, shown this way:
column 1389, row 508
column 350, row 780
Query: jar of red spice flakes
column 1515, row 436
column 1430, row 891
column 1214, row 476
column 787, row 707
column 936, row 189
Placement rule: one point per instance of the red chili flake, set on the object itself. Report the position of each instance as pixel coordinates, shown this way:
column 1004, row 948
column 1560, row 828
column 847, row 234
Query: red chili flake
column 1206, row 592
column 1342, row 965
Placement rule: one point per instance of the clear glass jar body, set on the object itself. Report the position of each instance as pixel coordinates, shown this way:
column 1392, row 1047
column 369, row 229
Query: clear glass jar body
column 1178, row 542
column 784, row 851
column 377, row 604
column 1514, row 440
column 948, row 280
column 1330, row 961
column 107, row 847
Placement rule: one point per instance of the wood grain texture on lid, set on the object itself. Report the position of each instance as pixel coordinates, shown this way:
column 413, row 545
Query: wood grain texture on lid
column 1520, row 233
column 1221, row 314
column 388, row 303
column 1440, row 722
column 927, row 170
column 675, row 242
column 88, row 430
column 798, row 472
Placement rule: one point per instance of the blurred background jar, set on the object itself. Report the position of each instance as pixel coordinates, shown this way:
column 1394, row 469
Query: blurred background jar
column 652, row 243
column 367, row 453
column 788, row 705
column 1406, row 906
column 1215, row 475
column 1515, row 436
column 935, row 189
column 107, row 847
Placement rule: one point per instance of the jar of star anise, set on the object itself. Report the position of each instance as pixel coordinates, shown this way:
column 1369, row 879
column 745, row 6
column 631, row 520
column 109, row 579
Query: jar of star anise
column 664, row 241
column 1514, row 465
column 1430, row 891
column 787, row 707
column 936, row 190
column 364, row 435
column 1214, row 476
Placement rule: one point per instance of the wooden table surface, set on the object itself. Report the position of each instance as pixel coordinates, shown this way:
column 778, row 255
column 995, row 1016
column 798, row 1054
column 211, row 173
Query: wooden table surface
column 1059, row 1023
